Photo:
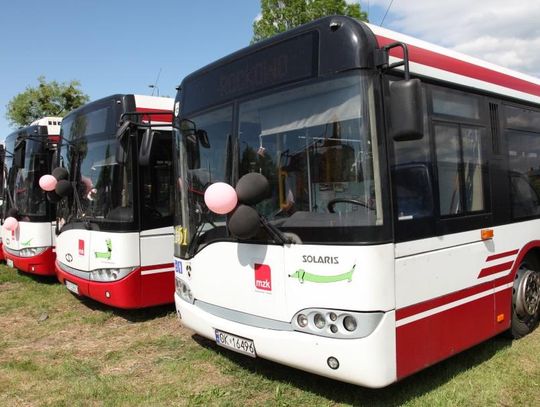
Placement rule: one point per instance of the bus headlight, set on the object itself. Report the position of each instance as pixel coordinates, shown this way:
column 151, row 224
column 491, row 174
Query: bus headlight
column 349, row 322
column 319, row 320
column 336, row 323
column 32, row 251
column 110, row 274
column 183, row 290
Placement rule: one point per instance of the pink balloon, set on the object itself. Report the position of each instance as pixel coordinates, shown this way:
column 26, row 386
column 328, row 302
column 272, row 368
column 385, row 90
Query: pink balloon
column 47, row 182
column 11, row 223
column 220, row 198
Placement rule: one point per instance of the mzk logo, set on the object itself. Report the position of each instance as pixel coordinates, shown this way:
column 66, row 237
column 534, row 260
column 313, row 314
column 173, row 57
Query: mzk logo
column 105, row 255
column 263, row 277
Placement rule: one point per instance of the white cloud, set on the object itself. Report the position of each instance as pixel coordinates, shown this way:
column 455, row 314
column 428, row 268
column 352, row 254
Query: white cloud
column 499, row 31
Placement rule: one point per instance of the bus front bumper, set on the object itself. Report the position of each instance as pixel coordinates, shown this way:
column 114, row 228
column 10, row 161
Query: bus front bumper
column 124, row 293
column 369, row 361
column 42, row 264
column 131, row 292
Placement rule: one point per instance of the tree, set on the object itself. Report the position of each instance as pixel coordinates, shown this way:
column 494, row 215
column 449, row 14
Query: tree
column 281, row 15
column 46, row 99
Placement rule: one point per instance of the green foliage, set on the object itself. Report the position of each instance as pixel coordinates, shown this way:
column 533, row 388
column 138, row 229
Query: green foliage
column 282, row 15
column 46, row 99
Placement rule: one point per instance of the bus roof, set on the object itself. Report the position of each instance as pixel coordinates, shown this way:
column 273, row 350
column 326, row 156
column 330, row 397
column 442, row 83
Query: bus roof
column 433, row 61
column 52, row 123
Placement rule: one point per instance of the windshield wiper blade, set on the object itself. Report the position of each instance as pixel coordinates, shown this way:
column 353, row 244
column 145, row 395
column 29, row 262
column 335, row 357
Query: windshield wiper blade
column 276, row 234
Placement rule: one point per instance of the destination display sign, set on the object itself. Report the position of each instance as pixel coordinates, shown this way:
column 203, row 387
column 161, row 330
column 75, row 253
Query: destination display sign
column 285, row 62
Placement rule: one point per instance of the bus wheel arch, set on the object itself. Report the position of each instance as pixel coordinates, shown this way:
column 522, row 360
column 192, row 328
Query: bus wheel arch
column 526, row 295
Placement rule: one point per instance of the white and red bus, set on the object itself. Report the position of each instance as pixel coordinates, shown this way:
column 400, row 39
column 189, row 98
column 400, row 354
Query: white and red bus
column 115, row 235
column 3, row 177
column 29, row 243
column 399, row 222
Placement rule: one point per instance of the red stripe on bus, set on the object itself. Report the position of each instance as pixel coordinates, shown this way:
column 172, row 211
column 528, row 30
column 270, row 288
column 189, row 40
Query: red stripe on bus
column 501, row 255
column 448, row 298
column 155, row 117
column 457, row 66
column 488, row 271
column 156, row 266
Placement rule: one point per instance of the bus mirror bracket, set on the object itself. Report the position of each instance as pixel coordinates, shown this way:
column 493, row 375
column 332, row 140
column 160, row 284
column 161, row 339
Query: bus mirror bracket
column 406, row 109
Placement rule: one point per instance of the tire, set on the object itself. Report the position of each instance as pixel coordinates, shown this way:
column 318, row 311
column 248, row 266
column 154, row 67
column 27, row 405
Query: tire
column 525, row 301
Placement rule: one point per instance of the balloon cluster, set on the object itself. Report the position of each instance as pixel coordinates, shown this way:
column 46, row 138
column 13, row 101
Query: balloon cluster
column 12, row 219
column 222, row 198
column 56, row 184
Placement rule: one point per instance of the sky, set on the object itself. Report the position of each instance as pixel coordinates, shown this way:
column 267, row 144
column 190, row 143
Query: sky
column 121, row 46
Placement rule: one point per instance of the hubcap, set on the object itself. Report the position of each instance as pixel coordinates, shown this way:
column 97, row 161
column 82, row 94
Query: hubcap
column 528, row 293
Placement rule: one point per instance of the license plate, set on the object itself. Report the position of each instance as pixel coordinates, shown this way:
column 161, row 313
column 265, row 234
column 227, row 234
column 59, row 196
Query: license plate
column 72, row 287
column 9, row 263
column 236, row 343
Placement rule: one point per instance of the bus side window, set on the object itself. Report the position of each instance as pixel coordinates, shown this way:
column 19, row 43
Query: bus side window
column 525, row 201
column 524, row 166
column 413, row 191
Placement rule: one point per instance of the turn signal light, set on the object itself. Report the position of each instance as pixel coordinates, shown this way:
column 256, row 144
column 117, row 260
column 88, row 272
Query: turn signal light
column 486, row 234
column 500, row 318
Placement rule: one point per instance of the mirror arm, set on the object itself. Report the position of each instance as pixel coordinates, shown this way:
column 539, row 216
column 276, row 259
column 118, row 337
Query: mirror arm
column 382, row 58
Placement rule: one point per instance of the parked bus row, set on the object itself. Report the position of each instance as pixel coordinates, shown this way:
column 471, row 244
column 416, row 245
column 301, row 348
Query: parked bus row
column 340, row 198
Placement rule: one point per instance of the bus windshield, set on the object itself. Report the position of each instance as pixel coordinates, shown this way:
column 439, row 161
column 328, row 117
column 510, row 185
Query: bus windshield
column 317, row 146
column 104, row 186
column 28, row 197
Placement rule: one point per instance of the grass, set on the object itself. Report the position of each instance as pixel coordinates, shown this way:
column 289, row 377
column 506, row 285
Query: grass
column 56, row 350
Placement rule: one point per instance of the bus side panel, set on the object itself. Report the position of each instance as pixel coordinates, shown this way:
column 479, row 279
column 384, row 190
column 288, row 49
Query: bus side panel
column 157, row 270
column 445, row 298
column 426, row 341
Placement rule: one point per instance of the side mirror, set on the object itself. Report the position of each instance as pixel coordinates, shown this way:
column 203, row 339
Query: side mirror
column 406, row 110
column 18, row 154
column 2, row 164
column 191, row 137
column 146, row 147
column 120, row 154
column 202, row 136
column 193, row 151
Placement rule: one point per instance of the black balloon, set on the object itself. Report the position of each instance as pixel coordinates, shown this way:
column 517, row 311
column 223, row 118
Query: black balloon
column 244, row 222
column 53, row 197
column 60, row 173
column 12, row 212
column 63, row 188
column 252, row 188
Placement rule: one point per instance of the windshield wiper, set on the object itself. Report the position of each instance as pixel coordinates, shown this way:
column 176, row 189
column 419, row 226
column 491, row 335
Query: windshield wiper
column 273, row 231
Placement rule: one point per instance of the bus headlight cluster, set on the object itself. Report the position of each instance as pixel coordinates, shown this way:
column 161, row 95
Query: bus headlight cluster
column 32, row 251
column 336, row 323
column 110, row 274
column 183, row 290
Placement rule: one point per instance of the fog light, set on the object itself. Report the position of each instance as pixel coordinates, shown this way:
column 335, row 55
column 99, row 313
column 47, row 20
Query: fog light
column 333, row 363
column 302, row 320
column 349, row 323
column 107, row 294
column 319, row 321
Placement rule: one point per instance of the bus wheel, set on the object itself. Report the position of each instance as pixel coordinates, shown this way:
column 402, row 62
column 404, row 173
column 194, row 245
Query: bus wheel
column 525, row 301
